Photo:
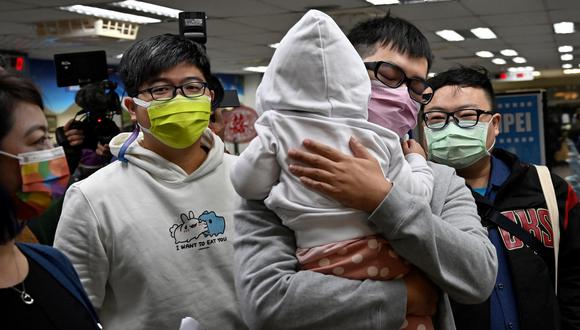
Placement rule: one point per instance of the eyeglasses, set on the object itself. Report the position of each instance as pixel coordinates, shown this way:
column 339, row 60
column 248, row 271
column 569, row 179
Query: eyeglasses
column 464, row 118
column 393, row 76
column 190, row 90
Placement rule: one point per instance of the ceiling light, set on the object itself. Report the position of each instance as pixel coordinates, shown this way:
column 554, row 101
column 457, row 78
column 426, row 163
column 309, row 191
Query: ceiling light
column 119, row 56
column 260, row 69
column 564, row 27
column 275, row 45
column 571, row 71
column 498, row 61
column 450, row 35
column 565, row 49
column 110, row 14
column 566, row 57
column 383, row 2
column 536, row 73
column 567, row 66
column 484, row 54
column 519, row 60
column 483, row 33
column 508, row 52
column 521, row 69
column 148, row 8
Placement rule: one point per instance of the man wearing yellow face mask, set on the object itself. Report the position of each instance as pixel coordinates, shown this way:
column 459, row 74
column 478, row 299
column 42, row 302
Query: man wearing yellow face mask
column 151, row 234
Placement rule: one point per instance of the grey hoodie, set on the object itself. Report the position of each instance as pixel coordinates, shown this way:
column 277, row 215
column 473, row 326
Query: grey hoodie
column 152, row 243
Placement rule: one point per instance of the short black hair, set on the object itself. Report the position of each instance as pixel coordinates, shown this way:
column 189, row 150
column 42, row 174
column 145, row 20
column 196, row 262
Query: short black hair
column 395, row 32
column 462, row 76
column 13, row 90
column 148, row 58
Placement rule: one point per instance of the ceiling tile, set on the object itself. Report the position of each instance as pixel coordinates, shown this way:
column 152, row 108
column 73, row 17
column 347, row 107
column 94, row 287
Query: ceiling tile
column 489, row 7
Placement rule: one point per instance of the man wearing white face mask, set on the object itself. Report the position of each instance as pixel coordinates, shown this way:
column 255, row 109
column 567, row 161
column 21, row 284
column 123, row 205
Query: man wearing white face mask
column 460, row 130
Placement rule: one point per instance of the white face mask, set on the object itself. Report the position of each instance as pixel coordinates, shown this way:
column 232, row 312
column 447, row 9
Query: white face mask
column 458, row 147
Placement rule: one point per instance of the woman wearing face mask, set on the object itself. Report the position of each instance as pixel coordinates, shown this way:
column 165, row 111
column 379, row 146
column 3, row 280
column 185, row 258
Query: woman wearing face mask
column 37, row 283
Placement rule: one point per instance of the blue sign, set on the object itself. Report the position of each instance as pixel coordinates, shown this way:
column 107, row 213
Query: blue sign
column 522, row 126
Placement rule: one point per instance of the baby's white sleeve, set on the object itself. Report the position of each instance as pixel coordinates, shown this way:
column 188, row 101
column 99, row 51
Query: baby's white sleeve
column 256, row 170
column 422, row 175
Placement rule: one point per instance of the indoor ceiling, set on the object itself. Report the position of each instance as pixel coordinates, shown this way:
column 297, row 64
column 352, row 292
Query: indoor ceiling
column 240, row 31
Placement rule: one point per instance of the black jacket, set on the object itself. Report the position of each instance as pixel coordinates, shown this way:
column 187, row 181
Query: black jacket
column 521, row 199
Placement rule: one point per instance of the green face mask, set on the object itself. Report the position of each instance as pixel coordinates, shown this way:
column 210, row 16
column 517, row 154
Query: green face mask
column 457, row 147
column 179, row 122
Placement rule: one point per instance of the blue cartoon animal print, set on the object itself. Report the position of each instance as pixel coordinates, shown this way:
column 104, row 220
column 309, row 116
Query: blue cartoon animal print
column 216, row 225
column 190, row 228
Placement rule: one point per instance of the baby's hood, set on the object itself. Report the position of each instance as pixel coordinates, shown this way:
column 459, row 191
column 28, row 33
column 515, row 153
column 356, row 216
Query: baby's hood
column 315, row 69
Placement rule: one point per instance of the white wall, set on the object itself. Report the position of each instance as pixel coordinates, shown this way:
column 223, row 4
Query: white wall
column 251, row 82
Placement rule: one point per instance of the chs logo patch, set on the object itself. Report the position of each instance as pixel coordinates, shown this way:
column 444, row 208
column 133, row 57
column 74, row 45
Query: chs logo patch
column 535, row 221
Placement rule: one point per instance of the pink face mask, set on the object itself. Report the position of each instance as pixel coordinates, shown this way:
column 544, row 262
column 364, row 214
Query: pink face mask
column 392, row 108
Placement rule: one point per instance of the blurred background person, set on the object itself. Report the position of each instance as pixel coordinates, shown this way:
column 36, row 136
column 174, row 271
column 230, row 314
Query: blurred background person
column 86, row 137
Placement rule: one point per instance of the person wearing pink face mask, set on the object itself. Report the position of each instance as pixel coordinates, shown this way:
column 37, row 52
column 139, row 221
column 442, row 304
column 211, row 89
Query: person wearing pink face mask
column 439, row 235
column 325, row 94
column 392, row 104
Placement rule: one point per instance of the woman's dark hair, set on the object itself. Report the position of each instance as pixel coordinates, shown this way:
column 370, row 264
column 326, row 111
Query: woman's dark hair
column 13, row 90
column 397, row 33
column 9, row 227
column 148, row 58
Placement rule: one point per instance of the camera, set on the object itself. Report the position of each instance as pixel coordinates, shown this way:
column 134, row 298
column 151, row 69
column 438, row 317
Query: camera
column 99, row 103
column 97, row 97
column 192, row 25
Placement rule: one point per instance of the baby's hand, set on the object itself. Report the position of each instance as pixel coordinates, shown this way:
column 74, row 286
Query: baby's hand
column 413, row 147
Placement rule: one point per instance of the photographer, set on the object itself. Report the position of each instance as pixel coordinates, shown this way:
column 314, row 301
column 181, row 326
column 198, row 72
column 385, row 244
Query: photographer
column 86, row 141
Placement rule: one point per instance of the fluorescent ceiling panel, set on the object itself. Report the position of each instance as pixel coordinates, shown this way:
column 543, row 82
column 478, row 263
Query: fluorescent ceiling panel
column 450, row 35
column 484, row 54
column 383, row 2
column 564, row 27
column 565, row 49
column 148, row 8
column 508, row 52
column 260, row 69
column 483, row 33
column 109, row 14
